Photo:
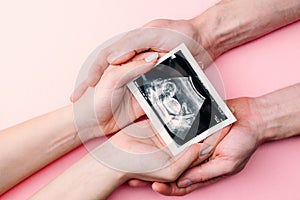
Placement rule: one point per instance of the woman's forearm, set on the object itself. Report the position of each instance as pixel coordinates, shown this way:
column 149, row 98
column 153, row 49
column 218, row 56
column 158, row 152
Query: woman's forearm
column 231, row 23
column 88, row 179
column 27, row 147
column 280, row 113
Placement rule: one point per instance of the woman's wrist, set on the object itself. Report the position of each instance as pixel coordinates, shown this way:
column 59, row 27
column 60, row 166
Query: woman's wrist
column 109, row 178
column 85, row 119
column 90, row 178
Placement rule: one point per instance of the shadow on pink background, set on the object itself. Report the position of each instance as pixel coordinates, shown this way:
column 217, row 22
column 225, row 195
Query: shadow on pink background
column 44, row 43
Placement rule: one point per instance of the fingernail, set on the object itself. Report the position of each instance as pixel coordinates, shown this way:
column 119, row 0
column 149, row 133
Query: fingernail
column 206, row 151
column 184, row 183
column 151, row 57
column 232, row 109
column 201, row 65
column 72, row 97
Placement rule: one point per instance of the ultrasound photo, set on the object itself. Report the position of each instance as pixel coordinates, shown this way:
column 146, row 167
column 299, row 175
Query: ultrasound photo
column 176, row 107
column 179, row 99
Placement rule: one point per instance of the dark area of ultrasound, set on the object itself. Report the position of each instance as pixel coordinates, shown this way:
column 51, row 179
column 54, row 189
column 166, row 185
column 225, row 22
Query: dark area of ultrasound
column 205, row 117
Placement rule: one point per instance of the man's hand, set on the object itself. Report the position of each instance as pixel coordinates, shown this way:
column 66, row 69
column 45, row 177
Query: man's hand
column 230, row 155
column 208, row 145
column 158, row 35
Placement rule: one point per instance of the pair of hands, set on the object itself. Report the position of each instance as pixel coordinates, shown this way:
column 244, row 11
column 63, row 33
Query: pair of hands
column 115, row 108
column 230, row 154
column 136, row 150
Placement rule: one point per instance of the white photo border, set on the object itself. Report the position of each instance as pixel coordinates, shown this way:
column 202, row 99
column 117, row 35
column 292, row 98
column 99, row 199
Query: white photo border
column 157, row 124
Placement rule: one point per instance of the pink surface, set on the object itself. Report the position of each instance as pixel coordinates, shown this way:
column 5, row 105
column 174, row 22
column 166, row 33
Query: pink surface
column 44, row 43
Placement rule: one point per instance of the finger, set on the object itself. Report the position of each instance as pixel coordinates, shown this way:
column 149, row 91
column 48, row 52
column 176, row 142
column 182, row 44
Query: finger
column 141, row 56
column 123, row 49
column 78, row 92
column 175, row 166
column 98, row 66
column 214, row 139
column 123, row 58
column 138, row 183
column 212, row 169
column 182, row 161
column 136, row 108
column 145, row 54
column 158, row 39
column 136, row 55
column 164, row 51
column 209, row 144
column 128, row 72
column 126, row 48
column 171, row 189
column 134, row 41
column 204, row 155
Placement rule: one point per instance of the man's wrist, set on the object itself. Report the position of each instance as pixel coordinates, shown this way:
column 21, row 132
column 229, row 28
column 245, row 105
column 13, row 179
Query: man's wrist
column 273, row 119
column 226, row 25
column 220, row 28
column 279, row 112
column 262, row 108
column 203, row 34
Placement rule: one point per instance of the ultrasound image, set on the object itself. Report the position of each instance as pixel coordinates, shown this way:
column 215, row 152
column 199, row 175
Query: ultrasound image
column 179, row 99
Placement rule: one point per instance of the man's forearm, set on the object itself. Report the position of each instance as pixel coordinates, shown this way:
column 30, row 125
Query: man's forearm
column 280, row 113
column 27, row 147
column 231, row 23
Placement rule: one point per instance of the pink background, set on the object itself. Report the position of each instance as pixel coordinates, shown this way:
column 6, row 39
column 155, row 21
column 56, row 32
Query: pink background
column 44, row 43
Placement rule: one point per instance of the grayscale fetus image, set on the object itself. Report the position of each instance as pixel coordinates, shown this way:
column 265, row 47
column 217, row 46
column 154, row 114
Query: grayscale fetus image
column 177, row 102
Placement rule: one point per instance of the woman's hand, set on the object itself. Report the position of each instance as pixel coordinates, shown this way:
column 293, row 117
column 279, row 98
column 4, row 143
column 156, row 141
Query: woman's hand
column 139, row 152
column 134, row 152
column 110, row 105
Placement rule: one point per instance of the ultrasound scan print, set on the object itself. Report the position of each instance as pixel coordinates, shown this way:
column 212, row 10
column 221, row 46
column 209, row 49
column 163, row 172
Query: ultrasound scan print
column 179, row 99
column 176, row 107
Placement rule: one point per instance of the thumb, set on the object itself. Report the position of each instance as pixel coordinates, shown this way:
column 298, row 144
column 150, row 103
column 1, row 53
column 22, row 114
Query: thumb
column 138, row 183
column 212, row 169
column 135, row 68
column 182, row 161
column 211, row 143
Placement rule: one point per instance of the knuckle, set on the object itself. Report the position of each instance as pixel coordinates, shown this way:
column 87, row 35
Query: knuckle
column 200, row 176
column 232, row 167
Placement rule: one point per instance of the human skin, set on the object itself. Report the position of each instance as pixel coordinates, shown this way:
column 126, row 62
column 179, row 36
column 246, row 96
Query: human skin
column 263, row 119
column 50, row 136
column 244, row 27
column 89, row 178
column 258, row 122
column 228, row 24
